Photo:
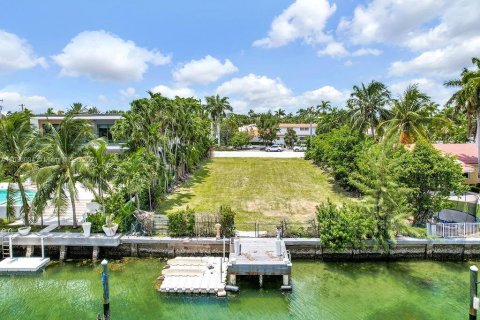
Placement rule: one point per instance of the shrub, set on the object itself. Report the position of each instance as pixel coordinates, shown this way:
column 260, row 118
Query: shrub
column 227, row 220
column 343, row 227
column 98, row 220
column 124, row 217
column 181, row 223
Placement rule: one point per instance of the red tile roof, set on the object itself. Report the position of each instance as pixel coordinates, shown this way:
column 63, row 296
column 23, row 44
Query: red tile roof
column 466, row 153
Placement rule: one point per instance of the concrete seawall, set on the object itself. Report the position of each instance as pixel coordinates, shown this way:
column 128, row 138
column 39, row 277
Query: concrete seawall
column 75, row 246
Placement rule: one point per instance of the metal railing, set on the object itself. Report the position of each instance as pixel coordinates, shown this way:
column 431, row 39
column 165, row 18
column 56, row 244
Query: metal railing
column 453, row 230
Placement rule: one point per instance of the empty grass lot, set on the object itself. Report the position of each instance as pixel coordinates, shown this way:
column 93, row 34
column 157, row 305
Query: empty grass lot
column 260, row 189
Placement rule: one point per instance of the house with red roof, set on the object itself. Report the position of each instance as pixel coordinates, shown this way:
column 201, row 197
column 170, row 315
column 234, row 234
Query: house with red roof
column 467, row 157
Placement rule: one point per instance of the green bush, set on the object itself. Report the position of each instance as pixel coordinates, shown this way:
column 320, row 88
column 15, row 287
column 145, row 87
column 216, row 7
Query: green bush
column 181, row 223
column 124, row 217
column 343, row 227
column 227, row 220
column 98, row 220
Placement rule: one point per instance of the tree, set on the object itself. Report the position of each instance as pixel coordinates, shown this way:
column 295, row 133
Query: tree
column 343, row 227
column 63, row 153
column 431, row 176
column 17, row 152
column 240, row 139
column 216, row 107
column 367, row 106
column 267, row 125
column 412, row 116
column 290, row 137
column 387, row 200
column 228, row 128
column 50, row 112
column 76, row 108
column 337, row 151
column 99, row 170
column 467, row 98
column 280, row 113
column 93, row 110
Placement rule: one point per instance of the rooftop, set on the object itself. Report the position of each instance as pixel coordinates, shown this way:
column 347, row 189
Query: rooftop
column 466, row 153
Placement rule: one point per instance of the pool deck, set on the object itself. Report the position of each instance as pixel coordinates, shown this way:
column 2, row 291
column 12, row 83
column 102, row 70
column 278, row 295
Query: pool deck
column 23, row 265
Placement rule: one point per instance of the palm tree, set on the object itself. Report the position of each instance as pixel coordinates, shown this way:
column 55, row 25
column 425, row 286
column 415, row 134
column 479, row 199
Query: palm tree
column 216, row 107
column 412, row 116
column 64, row 151
column 50, row 112
column 76, row 108
column 93, row 110
column 367, row 106
column 467, row 98
column 100, row 168
column 280, row 113
column 17, row 150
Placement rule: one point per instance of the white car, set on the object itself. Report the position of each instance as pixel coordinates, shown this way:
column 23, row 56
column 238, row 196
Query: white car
column 274, row 148
column 299, row 148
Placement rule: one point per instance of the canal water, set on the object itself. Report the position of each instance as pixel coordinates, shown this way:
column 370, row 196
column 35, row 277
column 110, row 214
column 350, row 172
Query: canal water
column 380, row 290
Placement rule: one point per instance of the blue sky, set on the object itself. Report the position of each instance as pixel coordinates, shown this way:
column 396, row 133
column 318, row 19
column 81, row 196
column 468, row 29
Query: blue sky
column 262, row 54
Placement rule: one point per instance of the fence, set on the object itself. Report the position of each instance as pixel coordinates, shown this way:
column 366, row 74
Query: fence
column 450, row 230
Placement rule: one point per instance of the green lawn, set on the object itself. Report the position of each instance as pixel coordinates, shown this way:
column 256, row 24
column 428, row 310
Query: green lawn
column 263, row 189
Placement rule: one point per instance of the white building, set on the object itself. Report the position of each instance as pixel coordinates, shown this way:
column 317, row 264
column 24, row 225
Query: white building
column 301, row 129
column 101, row 124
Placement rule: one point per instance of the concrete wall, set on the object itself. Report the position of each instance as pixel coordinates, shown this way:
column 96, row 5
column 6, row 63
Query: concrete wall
column 473, row 176
column 441, row 249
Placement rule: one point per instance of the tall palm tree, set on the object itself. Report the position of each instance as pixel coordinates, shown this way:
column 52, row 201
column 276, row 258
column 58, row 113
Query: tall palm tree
column 76, row 108
column 64, row 151
column 412, row 116
column 280, row 113
column 17, row 152
column 216, row 107
column 99, row 170
column 467, row 98
column 367, row 106
column 50, row 112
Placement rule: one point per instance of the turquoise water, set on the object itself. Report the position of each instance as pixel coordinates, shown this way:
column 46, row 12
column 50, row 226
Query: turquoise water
column 400, row 290
column 3, row 196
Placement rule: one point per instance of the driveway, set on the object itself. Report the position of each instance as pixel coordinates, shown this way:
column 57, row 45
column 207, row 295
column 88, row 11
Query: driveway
column 258, row 154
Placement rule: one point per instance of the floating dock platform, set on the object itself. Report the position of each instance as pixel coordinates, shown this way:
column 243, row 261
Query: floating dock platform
column 195, row 275
column 23, row 265
column 260, row 256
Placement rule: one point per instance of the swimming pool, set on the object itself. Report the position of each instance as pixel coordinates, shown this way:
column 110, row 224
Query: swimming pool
column 3, row 196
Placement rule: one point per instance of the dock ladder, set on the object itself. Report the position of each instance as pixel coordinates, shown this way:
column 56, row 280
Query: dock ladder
column 5, row 234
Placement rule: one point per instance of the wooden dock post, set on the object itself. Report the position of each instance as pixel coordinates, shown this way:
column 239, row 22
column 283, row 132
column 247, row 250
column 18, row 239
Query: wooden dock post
column 106, row 289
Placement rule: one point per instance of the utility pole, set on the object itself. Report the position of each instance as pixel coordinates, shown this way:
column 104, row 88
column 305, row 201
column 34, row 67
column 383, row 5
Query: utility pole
column 106, row 289
column 21, row 105
column 1, row 107
column 472, row 314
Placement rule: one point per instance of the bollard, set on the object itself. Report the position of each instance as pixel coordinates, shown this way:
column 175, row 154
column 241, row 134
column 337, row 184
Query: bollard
column 473, row 291
column 106, row 296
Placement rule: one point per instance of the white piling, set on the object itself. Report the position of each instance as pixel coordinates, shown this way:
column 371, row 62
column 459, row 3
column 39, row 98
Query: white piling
column 43, row 247
column 10, row 246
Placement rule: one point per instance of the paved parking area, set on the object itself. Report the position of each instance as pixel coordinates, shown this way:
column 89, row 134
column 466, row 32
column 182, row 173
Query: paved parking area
column 258, row 154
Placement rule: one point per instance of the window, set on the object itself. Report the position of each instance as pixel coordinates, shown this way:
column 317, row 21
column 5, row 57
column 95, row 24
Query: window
column 47, row 127
column 304, row 129
column 104, row 132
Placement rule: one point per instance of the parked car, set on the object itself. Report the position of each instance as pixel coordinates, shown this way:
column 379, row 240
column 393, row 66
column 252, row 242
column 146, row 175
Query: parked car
column 299, row 148
column 274, row 148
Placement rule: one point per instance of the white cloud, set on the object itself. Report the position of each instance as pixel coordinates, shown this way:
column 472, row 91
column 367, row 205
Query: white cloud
column 447, row 61
column 348, row 63
column 16, row 53
column 262, row 93
column 170, row 92
column 366, row 51
column 334, row 50
column 304, row 19
column 102, row 98
column 327, row 93
column 105, row 56
column 128, row 92
column 434, row 88
column 12, row 100
column 389, row 21
column 203, row 71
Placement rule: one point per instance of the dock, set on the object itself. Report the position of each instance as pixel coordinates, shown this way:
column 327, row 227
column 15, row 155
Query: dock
column 205, row 275
column 23, row 265
column 259, row 257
